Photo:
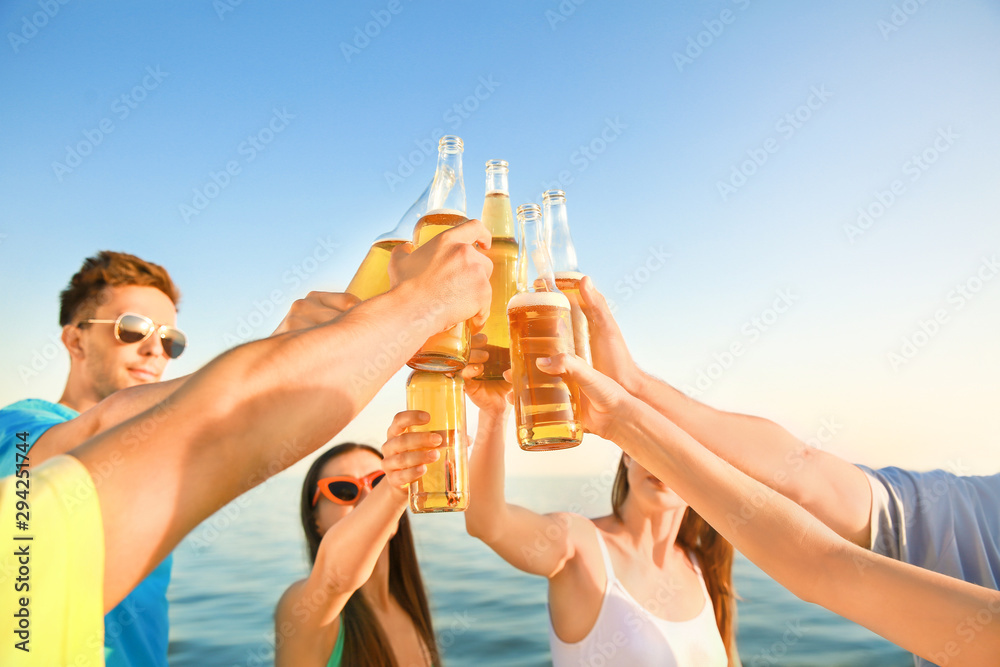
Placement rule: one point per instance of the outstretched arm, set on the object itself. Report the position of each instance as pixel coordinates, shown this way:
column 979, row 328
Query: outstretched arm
column 316, row 308
column 922, row 611
column 258, row 408
column 350, row 549
column 535, row 543
column 832, row 489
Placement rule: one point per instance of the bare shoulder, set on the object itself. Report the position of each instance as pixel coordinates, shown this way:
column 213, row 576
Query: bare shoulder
column 288, row 601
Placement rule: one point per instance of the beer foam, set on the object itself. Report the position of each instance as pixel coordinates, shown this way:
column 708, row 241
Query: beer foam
column 569, row 275
column 523, row 299
column 444, row 211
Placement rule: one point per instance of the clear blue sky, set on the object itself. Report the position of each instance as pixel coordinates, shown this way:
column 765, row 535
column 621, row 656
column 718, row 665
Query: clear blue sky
column 806, row 111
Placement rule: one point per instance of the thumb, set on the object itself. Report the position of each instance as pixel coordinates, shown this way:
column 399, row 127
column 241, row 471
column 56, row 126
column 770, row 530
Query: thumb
column 593, row 303
column 599, row 388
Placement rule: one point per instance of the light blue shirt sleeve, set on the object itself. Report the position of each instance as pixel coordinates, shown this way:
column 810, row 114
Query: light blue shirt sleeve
column 32, row 416
column 938, row 521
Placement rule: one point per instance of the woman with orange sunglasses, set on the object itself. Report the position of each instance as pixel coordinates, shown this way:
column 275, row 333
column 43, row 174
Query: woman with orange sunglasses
column 363, row 604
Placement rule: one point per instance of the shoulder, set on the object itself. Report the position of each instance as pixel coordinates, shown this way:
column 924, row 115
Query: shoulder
column 289, row 601
column 299, row 637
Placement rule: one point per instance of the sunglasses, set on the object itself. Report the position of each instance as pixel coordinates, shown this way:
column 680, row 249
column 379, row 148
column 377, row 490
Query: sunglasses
column 345, row 490
column 131, row 328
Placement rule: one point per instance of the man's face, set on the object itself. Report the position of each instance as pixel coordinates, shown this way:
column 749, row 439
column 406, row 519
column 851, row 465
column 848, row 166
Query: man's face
column 109, row 365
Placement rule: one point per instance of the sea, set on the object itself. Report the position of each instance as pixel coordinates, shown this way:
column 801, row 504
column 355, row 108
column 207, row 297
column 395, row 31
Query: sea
column 230, row 571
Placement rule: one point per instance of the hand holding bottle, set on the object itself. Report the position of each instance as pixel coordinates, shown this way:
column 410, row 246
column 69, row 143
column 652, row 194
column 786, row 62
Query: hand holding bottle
column 607, row 344
column 450, row 274
column 407, row 455
column 604, row 404
column 316, row 308
column 489, row 395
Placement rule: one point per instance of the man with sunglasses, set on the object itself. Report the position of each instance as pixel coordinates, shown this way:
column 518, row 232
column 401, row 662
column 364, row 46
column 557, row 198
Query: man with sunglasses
column 118, row 314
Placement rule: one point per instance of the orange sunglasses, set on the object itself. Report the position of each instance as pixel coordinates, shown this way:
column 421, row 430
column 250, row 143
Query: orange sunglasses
column 345, row 490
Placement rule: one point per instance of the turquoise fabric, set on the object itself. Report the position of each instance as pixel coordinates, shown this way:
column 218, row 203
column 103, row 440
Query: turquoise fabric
column 135, row 632
column 338, row 649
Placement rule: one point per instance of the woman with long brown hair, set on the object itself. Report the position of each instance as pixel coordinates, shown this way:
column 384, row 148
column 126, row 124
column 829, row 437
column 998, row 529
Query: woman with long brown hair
column 363, row 604
column 649, row 584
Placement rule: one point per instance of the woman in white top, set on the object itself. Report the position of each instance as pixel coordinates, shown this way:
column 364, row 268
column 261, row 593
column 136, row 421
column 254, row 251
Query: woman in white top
column 649, row 584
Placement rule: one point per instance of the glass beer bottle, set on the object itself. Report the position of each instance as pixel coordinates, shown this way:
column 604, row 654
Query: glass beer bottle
column 546, row 407
column 499, row 220
column 448, row 350
column 564, row 265
column 372, row 277
column 445, row 485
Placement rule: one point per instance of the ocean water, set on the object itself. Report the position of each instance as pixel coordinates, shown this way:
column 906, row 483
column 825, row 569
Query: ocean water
column 231, row 570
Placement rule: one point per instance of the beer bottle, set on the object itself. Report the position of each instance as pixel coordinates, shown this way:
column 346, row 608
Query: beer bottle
column 448, row 350
column 546, row 407
column 372, row 277
column 499, row 221
column 564, row 265
column 445, row 485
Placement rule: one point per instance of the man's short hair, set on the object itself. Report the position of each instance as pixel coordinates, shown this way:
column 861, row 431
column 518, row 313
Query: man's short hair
column 110, row 269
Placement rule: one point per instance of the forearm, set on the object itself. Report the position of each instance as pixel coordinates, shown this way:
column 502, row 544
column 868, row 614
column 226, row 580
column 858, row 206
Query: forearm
column 534, row 543
column 350, row 549
column 833, row 490
column 248, row 414
column 758, row 447
column 767, row 527
column 487, row 514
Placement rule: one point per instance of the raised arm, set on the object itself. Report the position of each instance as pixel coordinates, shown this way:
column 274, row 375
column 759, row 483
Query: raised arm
column 258, row 408
column 922, row 611
column 315, row 308
column 832, row 489
column 350, row 549
column 535, row 543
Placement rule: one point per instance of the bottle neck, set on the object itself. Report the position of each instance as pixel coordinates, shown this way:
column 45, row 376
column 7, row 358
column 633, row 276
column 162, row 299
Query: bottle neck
column 534, row 266
column 496, row 181
column 448, row 186
column 560, row 243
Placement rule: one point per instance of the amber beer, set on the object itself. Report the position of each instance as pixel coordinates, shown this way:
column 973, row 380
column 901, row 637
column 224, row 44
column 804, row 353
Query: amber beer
column 372, row 277
column 564, row 265
column 445, row 485
column 449, row 350
column 545, row 406
column 568, row 283
column 499, row 220
column 503, row 254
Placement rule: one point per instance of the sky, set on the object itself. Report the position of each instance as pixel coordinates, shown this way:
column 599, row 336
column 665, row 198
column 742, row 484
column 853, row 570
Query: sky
column 795, row 207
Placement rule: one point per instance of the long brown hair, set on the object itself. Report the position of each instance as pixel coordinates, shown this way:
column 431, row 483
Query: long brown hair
column 365, row 643
column 714, row 552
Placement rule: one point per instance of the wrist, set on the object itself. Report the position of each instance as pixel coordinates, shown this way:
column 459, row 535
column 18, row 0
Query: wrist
column 626, row 421
column 491, row 420
column 634, row 381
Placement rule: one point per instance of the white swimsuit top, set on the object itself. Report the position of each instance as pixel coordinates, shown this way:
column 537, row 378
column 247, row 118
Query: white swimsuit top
column 626, row 634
